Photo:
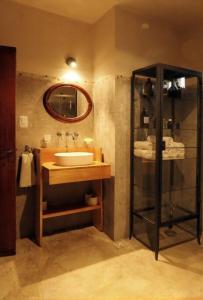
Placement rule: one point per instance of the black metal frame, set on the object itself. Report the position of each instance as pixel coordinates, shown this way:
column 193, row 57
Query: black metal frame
column 157, row 71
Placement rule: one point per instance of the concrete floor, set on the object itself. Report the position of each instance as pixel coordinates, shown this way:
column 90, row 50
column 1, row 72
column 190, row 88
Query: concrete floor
column 85, row 264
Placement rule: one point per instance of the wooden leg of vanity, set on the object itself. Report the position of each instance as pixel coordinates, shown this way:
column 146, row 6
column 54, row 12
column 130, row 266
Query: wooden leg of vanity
column 39, row 199
column 98, row 214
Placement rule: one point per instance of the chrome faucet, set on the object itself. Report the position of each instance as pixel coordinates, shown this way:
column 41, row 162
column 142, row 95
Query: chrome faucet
column 59, row 138
column 59, row 134
column 74, row 136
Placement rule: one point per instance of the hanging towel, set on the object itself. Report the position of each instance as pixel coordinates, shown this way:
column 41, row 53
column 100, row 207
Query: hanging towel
column 27, row 173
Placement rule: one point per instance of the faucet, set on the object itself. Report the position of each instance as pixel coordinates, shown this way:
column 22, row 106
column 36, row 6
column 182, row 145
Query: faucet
column 74, row 136
column 59, row 136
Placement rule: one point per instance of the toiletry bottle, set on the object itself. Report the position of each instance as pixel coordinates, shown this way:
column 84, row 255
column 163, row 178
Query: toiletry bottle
column 144, row 119
column 173, row 91
column 165, row 86
column 148, row 88
column 170, row 124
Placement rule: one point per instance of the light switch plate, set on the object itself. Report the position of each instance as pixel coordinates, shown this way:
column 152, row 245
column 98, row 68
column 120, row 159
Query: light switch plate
column 23, row 121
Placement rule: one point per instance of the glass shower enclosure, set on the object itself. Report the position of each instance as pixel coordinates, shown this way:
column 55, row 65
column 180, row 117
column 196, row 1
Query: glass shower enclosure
column 166, row 127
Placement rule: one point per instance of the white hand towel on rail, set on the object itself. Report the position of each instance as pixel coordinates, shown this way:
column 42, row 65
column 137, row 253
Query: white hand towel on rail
column 27, row 174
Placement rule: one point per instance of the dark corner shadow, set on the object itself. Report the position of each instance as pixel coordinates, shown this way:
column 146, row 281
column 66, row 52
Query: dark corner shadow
column 25, row 198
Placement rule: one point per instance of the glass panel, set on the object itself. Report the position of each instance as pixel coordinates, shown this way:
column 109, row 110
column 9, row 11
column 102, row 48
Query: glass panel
column 179, row 155
column 144, row 160
column 178, row 234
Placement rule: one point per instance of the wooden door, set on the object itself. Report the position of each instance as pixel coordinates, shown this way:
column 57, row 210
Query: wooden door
column 7, row 151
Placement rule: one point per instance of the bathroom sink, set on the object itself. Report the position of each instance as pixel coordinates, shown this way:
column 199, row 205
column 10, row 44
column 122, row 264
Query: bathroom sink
column 73, row 158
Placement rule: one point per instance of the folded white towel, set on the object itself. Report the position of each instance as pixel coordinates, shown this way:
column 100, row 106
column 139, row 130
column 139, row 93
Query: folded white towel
column 177, row 145
column 168, row 141
column 145, row 149
column 144, row 145
column 27, row 174
column 151, row 138
column 150, row 154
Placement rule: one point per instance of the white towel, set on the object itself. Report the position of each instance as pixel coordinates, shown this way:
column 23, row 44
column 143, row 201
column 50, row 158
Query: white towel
column 147, row 154
column 150, row 154
column 151, row 138
column 27, row 174
column 167, row 139
column 144, row 145
column 177, row 145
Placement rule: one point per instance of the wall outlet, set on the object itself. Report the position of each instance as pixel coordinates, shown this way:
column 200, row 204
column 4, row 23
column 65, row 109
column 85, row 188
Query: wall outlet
column 23, row 121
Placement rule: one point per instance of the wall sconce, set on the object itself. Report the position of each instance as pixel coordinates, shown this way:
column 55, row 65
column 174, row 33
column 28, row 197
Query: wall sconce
column 71, row 62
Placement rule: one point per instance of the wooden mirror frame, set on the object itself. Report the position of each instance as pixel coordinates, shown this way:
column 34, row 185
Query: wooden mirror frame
column 55, row 115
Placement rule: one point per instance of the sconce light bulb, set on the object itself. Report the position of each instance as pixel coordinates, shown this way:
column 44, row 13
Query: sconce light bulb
column 71, row 62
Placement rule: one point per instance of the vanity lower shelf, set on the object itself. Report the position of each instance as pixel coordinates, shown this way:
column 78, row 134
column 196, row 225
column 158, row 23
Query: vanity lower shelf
column 65, row 211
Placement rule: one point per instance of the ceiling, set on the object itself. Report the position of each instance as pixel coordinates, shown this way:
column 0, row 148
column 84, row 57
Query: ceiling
column 180, row 13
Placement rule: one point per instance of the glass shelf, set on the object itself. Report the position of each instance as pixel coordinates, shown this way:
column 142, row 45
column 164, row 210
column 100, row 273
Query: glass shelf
column 166, row 129
column 179, row 215
column 173, row 189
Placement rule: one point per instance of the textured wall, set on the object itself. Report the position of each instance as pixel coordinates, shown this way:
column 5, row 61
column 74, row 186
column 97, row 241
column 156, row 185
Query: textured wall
column 112, row 131
column 141, row 41
column 30, row 90
column 192, row 49
column 104, row 45
column 44, row 40
column 122, row 157
column 104, row 136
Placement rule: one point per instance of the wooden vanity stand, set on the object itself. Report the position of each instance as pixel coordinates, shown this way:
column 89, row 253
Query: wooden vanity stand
column 48, row 173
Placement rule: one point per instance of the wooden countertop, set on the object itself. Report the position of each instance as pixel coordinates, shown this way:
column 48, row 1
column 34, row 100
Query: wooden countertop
column 51, row 166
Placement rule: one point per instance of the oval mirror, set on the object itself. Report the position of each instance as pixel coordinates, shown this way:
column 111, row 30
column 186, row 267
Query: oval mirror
column 67, row 102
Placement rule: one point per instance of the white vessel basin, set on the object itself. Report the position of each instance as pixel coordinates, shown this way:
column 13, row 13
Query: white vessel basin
column 74, row 158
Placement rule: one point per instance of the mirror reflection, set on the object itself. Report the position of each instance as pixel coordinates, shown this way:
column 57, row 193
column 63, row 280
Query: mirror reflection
column 67, row 103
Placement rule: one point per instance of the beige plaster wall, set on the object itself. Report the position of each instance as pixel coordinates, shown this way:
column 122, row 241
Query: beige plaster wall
column 103, row 33
column 122, row 157
column 192, row 49
column 44, row 40
column 104, row 136
column 29, row 94
column 143, row 41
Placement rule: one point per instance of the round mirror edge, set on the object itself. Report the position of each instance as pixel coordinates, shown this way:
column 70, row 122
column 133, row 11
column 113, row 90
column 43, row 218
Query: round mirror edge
column 60, row 118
